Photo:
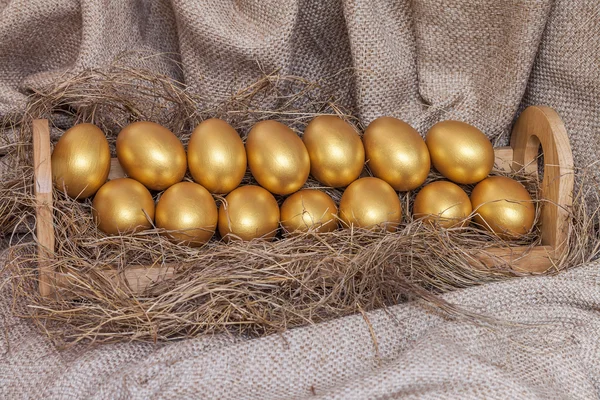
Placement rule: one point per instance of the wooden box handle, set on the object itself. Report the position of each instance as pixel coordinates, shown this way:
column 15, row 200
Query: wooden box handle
column 541, row 126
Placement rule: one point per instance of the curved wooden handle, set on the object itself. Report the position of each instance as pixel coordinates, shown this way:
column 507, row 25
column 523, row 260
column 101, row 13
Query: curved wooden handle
column 540, row 125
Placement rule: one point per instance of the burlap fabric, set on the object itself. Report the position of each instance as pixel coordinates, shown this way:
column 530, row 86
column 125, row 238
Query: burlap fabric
column 422, row 60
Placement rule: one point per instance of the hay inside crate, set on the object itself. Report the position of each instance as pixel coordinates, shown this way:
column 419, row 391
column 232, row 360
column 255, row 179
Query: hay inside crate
column 143, row 287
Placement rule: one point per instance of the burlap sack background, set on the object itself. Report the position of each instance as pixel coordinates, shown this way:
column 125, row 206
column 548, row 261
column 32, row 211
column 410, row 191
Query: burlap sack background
column 422, row 60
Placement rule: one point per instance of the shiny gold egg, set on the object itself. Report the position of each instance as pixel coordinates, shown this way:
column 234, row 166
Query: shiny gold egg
column 370, row 202
column 443, row 204
column 309, row 209
column 337, row 155
column 81, row 161
column 121, row 206
column 396, row 153
column 249, row 212
column 151, row 154
column 216, row 156
column 460, row 152
column 189, row 209
column 277, row 157
column 503, row 206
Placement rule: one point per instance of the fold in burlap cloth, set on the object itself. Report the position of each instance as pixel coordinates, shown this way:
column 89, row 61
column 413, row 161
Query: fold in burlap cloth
column 480, row 61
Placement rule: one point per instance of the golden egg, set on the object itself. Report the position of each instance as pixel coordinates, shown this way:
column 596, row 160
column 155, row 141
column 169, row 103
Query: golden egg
column 503, row 206
column 81, row 161
column 396, row 153
column 249, row 212
column 460, row 152
column 277, row 157
column 121, row 206
column 189, row 209
column 216, row 156
column 309, row 209
column 151, row 154
column 337, row 155
column 444, row 204
column 370, row 202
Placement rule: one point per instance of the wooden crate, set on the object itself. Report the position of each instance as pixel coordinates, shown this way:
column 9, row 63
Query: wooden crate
column 537, row 126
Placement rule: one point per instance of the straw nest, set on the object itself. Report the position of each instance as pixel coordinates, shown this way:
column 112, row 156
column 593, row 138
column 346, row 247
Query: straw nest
column 253, row 288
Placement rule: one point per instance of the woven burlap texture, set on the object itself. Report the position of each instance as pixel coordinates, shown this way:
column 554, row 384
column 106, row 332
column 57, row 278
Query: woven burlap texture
column 480, row 61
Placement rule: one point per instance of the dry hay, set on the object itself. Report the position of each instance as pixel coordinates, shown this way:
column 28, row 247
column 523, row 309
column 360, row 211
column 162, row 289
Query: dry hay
column 252, row 288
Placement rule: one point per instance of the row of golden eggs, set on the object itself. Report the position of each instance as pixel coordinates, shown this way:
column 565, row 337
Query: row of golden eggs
column 216, row 156
column 277, row 157
column 331, row 150
column 154, row 156
column 188, row 212
column 500, row 204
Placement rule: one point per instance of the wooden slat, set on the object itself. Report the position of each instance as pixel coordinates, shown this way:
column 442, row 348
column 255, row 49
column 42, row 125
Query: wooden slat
column 138, row 277
column 135, row 279
column 504, row 159
column 116, row 171
column 43, row 196
column 522, row 259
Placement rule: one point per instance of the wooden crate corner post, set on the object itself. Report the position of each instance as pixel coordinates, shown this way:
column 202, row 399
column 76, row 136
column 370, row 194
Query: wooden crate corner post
column 43, row 204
